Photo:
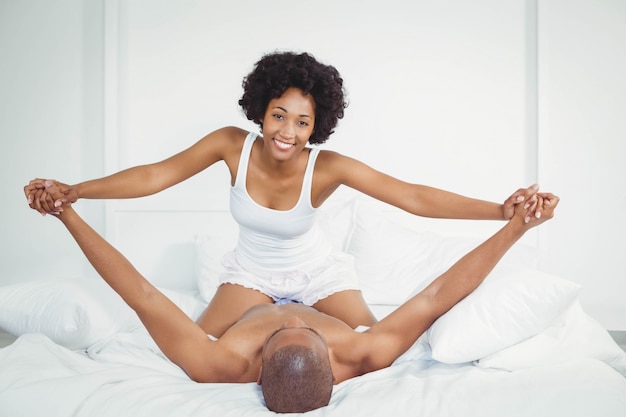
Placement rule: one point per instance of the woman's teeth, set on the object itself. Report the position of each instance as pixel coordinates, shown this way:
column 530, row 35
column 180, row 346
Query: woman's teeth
column 282, row 145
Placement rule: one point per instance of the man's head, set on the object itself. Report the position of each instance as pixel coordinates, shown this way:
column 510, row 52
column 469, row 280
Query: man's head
column 296, row 375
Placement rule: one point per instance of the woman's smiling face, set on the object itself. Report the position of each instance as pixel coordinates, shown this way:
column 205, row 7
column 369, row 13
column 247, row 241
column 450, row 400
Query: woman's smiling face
column 288, row 123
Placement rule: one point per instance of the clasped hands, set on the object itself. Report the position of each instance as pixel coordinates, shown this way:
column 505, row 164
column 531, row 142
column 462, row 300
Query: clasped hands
column 534, row 202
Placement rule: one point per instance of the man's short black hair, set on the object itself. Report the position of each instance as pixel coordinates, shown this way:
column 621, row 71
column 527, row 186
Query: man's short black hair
column 296, row 379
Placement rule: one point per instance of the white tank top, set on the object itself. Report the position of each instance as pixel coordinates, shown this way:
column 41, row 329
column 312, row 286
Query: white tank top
column 276, row 239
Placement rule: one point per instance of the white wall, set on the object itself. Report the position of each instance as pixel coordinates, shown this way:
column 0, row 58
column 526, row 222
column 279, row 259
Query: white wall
column 452, row 94
column 582, row 153
column 433, row 90
column 51, row 70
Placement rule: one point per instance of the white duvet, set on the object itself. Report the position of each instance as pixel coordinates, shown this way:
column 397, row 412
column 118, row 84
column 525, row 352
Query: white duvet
column 126, row 376
column 520, row 345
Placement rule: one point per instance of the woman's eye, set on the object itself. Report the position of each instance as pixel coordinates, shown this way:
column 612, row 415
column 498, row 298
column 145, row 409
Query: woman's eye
column 278, row 116
column 303, row 123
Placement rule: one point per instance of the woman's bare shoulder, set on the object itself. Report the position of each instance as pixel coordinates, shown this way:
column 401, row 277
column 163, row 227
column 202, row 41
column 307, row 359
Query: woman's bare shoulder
column 335, row 160
column 228, row 136
column 224, row 143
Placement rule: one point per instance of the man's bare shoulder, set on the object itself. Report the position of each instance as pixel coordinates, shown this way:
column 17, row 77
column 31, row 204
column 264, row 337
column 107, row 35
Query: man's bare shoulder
column 350, row 352
column 347, row 348
column 232, row 366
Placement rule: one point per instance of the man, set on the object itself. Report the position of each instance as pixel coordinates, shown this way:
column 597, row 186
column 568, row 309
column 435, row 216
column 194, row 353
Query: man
column 295, row 352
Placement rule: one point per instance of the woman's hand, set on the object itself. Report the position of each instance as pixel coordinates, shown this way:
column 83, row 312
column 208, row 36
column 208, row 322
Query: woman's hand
column 39, row 199
column 544, row 203
column 519, row 196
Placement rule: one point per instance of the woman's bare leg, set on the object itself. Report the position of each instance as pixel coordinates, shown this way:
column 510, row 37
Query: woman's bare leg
column 228, row 304
column 348, row 306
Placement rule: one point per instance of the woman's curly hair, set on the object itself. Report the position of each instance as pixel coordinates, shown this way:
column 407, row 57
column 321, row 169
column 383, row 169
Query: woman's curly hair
column 274, row 73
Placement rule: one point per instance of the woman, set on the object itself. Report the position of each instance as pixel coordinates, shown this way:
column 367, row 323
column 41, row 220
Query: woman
column 277, row 183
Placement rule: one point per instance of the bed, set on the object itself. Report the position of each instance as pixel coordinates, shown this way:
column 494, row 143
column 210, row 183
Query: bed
column 520, row 345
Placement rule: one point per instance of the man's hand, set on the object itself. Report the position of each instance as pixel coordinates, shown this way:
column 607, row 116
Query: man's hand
column 519, row 196
column 40, row 199
column 55, row 192
column 541, row 204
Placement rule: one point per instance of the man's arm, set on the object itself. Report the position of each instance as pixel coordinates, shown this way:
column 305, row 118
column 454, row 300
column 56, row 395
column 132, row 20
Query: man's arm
column 180, row 339
column 393, row 335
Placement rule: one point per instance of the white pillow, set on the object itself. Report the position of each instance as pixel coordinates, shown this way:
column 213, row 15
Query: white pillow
column 336, row 219
column 75, row 313
column 505, row 309
column 394, row 262
column 210, row 248
column 391, row 260
column 66, row 313
column 573, row 335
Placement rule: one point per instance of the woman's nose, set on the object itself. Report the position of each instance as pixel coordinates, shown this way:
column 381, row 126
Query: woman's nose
column 287, row 131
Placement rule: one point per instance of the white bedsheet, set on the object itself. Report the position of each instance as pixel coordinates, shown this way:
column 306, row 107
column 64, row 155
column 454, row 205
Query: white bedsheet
column 536, row 352
column 127, row 376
